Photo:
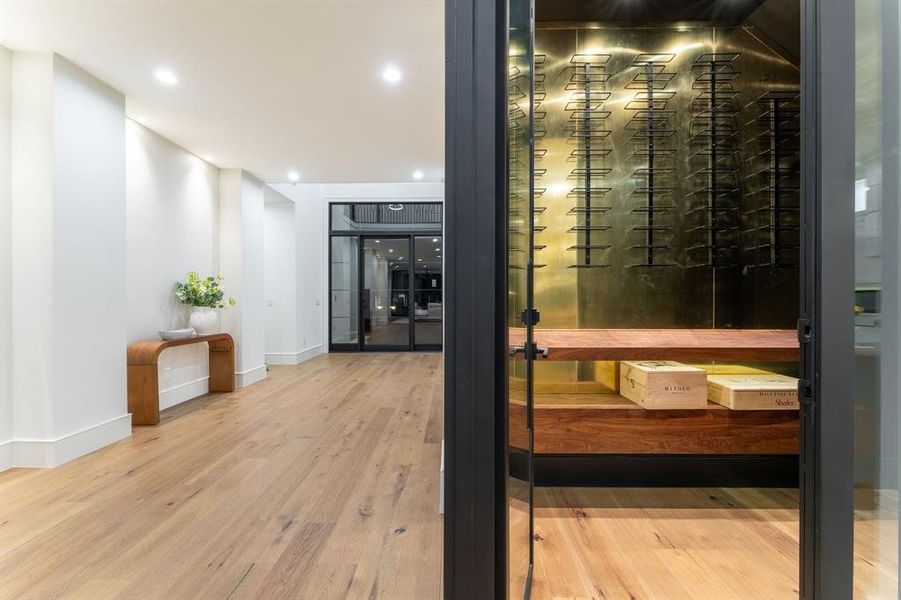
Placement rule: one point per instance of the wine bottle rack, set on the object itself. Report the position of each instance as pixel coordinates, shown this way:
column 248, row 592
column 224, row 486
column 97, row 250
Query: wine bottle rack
column 519, row 165
column 539, row 94
column 651, row 126
column 776, row 193
column 587, row 127
column 714, row 150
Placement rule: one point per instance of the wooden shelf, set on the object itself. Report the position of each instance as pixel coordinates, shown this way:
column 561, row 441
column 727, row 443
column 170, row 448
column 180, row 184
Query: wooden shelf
column 664, row 344
column 611, row 424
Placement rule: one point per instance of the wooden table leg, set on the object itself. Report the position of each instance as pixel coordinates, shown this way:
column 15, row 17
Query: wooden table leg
column 143, row 394
column 222, row 367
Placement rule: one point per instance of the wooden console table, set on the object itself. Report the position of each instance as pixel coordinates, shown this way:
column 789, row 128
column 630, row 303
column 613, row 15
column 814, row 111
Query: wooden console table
column 143, row 372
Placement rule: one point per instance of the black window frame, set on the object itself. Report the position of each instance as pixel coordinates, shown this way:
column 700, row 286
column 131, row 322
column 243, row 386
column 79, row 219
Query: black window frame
column 361, row 234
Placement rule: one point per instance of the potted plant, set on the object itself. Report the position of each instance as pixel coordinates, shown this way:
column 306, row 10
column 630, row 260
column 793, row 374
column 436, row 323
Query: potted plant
column 204, row 296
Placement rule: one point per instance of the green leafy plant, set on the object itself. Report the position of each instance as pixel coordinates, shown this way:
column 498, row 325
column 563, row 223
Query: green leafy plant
column 198, row 291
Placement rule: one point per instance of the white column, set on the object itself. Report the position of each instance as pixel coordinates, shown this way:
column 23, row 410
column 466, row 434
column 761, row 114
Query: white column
column 68, row 262
column 241, row 264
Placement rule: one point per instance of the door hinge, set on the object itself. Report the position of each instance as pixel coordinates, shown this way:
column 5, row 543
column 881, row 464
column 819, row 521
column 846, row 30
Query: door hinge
column 530, row 317
column 805, row 331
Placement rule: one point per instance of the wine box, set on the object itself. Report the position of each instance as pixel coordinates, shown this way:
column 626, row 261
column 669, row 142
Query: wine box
column 754, row 392
column 663, row 384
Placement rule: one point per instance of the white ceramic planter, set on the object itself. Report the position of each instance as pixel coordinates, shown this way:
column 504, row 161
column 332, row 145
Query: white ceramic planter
column 204, row 320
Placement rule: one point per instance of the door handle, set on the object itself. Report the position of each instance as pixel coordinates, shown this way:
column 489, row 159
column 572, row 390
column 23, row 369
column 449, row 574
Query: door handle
column 537, row 351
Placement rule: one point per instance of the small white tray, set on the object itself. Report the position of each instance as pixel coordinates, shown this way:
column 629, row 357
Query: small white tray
column 177, row 334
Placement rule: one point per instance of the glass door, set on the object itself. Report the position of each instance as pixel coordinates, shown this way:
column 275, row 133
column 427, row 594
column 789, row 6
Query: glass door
column 386, row 304
column 520, row 310
column 427, row 288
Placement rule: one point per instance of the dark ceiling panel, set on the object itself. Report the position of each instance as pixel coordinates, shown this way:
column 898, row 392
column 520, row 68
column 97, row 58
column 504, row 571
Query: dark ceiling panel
column 645, row 11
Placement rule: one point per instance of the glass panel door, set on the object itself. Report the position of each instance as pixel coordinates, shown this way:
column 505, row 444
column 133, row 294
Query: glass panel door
column 519, row 298
column 427, row 286
column 877, row 327
column 345, row 290
column 385, row 302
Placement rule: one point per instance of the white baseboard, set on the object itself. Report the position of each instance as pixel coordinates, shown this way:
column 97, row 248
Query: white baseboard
column 250, row 376
column 292, row 358
column 54, row 452
column 184, row 392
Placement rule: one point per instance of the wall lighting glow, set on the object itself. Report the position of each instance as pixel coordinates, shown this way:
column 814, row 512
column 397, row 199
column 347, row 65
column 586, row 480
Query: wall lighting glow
column 860, row 195
column 391, row 74
column 293, row 176
column 418, row 175
column 165, row 76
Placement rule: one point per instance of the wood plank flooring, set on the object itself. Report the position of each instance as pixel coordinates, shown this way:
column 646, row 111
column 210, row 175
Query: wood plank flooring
column 665, row 544
column 320, row 482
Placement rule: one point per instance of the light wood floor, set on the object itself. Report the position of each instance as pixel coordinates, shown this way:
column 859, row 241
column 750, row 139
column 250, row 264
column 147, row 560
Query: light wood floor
column 665, row 544
column 320, row 482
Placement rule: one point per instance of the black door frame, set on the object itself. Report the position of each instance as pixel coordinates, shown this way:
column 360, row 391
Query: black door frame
column 475, row 436
column 360, row 235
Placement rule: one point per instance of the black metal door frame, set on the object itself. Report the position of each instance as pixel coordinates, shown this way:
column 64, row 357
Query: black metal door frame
column 826, row 328
column 359, row 345
column 475, row 432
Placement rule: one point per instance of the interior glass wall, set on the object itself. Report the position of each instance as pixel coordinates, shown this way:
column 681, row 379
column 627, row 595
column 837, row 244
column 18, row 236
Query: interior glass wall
column 666, row 222
column 345, row 290
column 386, row 281
column 877, row 271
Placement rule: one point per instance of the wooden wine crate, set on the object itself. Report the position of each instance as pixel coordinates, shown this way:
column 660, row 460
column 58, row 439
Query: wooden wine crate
column 663, row 384
column 754, row 392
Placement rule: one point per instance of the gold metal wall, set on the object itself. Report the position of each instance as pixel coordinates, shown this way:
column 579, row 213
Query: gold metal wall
column 744, row 291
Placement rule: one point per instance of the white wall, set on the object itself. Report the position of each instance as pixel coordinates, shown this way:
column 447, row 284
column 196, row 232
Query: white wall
column 172, row 227
column 241, row 249
column 68, row 251
column 5, row 255
column 311, row 207
column 280, row 278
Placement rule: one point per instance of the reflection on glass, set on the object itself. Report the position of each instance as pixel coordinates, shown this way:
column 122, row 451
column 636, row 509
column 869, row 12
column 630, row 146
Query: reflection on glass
column 345, row 290
column 877, row 335
column 519, row 168
column 392, row 217
column 427, row 290
column 386, row 302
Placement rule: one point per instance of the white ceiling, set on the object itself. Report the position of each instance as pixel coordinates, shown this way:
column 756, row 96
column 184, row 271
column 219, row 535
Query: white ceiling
column 267, row 86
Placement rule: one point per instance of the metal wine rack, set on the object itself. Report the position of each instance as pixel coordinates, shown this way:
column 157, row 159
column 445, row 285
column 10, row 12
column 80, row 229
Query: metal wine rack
column 539, row 93
column 775, row 197
column 588, row 131
column 519, row 164
column 651, row 126
column 714, row 159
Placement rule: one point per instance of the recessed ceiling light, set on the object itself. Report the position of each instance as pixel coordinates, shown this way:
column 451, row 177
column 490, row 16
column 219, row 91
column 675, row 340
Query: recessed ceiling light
column 165, row 76
column 293, row 176
column 419, row 259
column 435, row 240
column 391, row 74
column 390, row 249
column 418, row 175
column 378, row 241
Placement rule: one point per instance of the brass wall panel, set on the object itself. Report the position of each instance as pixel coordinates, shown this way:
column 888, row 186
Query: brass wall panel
column 624, row 295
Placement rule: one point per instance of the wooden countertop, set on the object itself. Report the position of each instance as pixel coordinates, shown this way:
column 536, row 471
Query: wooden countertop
column 664, row 344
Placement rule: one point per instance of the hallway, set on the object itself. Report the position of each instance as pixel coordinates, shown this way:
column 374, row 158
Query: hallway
column 319, row 482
